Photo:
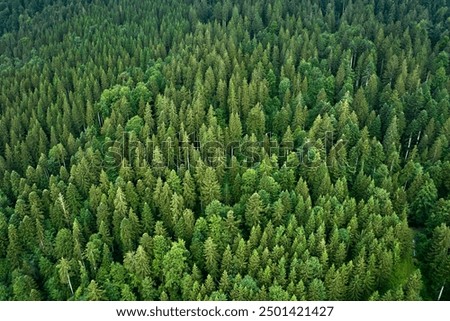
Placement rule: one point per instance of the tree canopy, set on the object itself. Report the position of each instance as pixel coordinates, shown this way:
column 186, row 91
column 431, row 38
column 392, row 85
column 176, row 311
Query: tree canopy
column 236, row 150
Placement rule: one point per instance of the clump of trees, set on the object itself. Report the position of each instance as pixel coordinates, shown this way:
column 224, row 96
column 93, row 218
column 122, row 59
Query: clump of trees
column 257, row 150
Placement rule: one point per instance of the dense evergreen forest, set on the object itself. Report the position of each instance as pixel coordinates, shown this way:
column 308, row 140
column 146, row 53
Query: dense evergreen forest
column 224, row 150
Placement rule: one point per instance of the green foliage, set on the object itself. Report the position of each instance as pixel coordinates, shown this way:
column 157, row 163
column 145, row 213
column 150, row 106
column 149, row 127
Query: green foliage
column 262, row 150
